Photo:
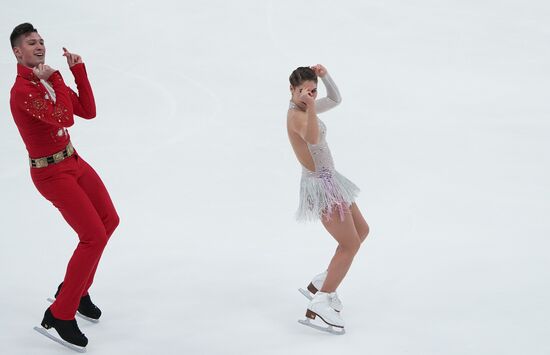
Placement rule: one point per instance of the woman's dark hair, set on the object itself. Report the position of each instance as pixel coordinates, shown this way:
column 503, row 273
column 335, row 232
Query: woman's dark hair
column 20, row 30
column 302, row 74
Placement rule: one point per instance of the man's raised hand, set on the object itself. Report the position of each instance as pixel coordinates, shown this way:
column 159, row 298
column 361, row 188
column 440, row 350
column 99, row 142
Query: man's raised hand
column 72, row 58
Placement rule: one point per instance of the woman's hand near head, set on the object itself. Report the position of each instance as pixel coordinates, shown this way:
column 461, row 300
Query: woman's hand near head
column 319, row 70
column 307, row 95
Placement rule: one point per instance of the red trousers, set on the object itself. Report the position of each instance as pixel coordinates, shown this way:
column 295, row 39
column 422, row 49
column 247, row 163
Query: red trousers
column 79, row 194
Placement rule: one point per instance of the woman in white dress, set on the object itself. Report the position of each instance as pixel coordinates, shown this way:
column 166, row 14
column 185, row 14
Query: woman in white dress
column 325, row 194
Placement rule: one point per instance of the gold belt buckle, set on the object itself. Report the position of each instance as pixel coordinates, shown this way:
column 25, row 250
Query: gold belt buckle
column 57, row 157
column 41, row 162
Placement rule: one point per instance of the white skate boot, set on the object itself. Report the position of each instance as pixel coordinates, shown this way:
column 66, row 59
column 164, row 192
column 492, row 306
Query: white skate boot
column 320, row 306
column 315, row 285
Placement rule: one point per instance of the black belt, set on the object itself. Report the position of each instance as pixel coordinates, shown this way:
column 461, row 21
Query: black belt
column 52, row 159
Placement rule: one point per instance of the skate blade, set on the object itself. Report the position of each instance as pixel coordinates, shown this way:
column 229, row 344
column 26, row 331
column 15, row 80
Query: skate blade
column 45, row 333
column 328, row 329
column 305, row 293
column 51, row 300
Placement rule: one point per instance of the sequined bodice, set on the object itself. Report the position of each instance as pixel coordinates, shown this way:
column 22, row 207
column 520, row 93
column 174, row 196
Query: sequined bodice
column 320, row 152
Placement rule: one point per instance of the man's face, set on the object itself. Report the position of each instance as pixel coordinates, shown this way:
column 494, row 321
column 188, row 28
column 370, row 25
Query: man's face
column 31, row 50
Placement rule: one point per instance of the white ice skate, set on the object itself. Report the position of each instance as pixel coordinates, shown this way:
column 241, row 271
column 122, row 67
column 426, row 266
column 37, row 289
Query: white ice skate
column 315, row 285
column 320, row 306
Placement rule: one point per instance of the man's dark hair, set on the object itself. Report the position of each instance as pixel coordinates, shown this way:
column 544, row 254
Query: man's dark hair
column 302, row 74
column 21, row 30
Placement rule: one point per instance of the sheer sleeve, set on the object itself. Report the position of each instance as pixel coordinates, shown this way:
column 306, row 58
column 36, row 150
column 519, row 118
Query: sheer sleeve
column 333, row 97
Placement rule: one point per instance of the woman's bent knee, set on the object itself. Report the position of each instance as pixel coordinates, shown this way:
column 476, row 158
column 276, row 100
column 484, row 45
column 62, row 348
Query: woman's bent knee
column 364, row 233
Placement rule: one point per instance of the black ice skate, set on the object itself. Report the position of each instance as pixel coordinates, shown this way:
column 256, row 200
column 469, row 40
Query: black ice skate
column 68, row 331
column 86, row 309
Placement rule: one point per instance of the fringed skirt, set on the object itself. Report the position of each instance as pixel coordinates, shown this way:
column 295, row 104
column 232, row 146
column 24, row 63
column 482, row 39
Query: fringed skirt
column 322, row 193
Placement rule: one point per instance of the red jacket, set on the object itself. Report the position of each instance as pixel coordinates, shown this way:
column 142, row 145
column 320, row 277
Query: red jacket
column 41, row 121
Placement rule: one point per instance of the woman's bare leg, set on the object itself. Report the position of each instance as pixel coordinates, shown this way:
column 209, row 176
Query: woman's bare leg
column 346, row 235
column 361, row 225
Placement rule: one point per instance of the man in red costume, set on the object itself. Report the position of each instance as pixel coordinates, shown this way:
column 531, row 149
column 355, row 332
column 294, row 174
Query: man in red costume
column 43, row 107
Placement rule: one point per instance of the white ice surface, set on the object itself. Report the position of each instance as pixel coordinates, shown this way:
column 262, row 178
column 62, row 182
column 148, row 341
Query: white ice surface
column 444, row 125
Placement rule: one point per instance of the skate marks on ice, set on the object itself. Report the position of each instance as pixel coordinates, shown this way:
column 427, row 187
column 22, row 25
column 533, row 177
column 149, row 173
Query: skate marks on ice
column 47, row 334
column 51, row 300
